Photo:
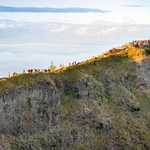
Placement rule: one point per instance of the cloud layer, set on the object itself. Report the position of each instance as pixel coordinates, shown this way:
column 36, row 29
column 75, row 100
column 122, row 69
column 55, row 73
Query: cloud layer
column 50, row 10
column 26, row 45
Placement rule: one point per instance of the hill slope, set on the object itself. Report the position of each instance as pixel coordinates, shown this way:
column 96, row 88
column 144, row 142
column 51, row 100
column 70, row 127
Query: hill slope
column 102, row 104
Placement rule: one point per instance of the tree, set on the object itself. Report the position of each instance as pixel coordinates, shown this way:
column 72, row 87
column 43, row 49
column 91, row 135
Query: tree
column 61, row 65
column 52, row 66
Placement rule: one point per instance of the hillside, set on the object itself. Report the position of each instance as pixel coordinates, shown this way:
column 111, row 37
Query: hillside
column 100, row 104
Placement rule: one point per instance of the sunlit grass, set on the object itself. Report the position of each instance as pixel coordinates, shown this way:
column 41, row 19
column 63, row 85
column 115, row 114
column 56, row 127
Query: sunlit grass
column 137, row 54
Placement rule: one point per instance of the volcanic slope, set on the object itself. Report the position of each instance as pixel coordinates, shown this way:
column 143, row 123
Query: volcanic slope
column 102, row 104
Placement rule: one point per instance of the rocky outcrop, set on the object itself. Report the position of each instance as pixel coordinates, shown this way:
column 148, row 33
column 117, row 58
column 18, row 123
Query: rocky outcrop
column 88, row 89
column 23, row 106
column 142, row 71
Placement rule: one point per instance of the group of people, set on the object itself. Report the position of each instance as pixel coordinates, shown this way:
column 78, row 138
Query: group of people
column 31, row 71
column 135, row 43
column 73, row 63
column 138, row 43
column 37, row 70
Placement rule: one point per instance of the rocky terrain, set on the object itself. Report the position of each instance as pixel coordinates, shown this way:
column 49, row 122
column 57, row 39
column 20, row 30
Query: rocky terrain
column 101, row 105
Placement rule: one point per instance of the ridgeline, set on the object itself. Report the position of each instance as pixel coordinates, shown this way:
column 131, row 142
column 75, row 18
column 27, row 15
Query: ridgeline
column 101, row 104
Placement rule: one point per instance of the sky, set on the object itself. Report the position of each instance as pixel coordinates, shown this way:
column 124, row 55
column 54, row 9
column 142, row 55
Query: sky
column 34, row 33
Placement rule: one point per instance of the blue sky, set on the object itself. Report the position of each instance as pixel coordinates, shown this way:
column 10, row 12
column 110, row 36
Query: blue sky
column 34, row 33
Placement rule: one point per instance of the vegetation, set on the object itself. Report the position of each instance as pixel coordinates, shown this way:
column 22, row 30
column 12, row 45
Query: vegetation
column 69, row 105
column 61, row 65
column 147, row 49
column 97, row 77
column 52, row 66
column 29, row 102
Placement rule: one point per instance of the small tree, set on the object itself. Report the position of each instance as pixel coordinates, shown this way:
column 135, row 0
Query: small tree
column 52, row 66
column 61, row 65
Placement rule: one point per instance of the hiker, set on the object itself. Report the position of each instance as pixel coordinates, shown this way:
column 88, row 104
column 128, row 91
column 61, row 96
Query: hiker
column 75, row 62
column 30, row 70
column 69, row 64
column 78, row 63
column 8, row 74
column 137, row 45
column 110, row 51
column 14, row 73
column 34, row 70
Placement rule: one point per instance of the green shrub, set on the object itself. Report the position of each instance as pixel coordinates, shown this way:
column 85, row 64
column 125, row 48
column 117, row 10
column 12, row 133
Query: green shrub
column 96, row 76
column 29, row 102
column 147, row 50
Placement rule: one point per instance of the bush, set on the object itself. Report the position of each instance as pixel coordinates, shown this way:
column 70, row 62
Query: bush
column 147, row 50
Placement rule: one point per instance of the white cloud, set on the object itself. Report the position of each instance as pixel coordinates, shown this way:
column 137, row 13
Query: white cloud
column 3, row 25
column 63, row 28
column 81, row 31
column 134, row 30
column 128, row 20
column 109, row 30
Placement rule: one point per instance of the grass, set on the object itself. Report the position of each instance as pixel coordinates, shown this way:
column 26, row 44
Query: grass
column 147, row 49
column 107, row 98
column 23, row 79
column 96, row 76
column 69, row 105
column 29, row 102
